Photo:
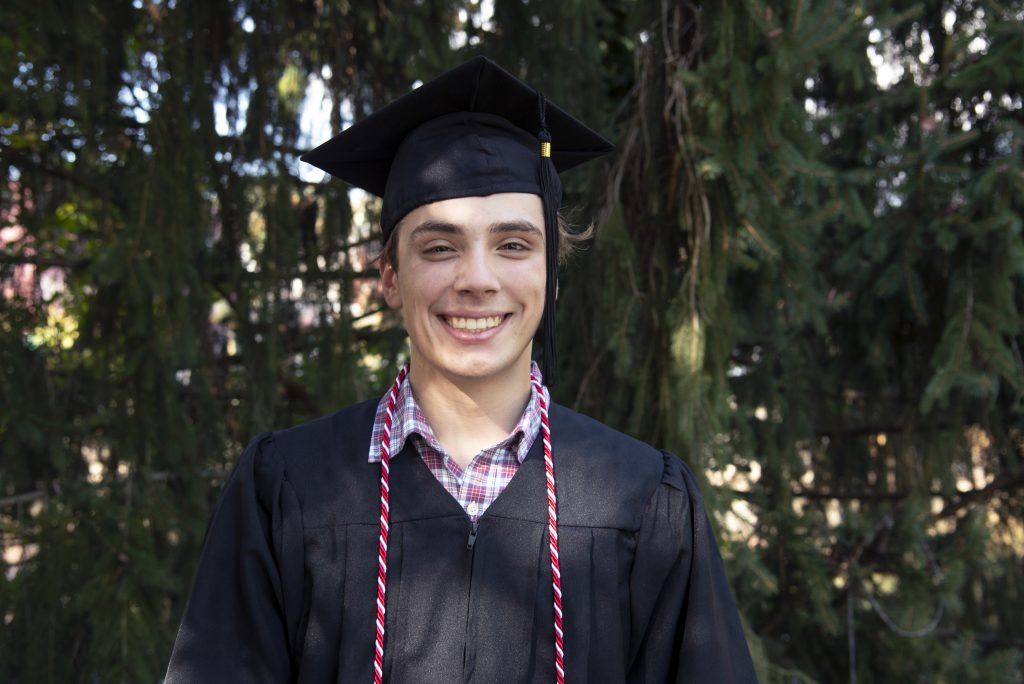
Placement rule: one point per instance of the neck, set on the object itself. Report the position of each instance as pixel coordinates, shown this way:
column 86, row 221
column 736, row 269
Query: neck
column 468, row 415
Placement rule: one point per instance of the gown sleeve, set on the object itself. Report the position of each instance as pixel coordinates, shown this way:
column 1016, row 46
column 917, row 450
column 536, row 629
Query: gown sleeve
column 236, row 625
column 685, row 624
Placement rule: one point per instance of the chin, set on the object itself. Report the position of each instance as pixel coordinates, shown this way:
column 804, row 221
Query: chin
column 475, row 369
column 473, row 365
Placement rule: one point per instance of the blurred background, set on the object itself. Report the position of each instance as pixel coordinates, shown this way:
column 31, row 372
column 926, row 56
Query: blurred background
column 806, row 281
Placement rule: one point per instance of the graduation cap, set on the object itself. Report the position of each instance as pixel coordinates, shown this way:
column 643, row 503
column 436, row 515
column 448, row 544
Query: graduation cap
column 473, row 131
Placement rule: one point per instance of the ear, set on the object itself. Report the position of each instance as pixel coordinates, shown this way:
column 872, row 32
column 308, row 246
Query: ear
column 389, row 283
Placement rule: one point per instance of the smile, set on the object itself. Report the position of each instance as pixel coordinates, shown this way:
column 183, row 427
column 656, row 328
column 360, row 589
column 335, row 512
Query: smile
column 474, row 324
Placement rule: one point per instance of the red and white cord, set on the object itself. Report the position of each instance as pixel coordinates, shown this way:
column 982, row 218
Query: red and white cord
column 385, row 510
column 556, row 573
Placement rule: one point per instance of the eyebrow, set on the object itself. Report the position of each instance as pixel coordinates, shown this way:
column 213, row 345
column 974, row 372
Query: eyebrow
column 521, row 226
column 448, row 228
column 434, row 227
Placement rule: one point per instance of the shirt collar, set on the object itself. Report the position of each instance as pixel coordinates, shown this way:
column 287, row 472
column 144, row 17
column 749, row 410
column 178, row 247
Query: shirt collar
column 408, row 419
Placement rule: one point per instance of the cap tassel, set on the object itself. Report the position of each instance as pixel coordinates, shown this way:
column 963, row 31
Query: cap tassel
column 551, row 196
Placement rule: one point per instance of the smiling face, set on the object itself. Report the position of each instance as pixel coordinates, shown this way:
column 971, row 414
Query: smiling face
column 470, row 284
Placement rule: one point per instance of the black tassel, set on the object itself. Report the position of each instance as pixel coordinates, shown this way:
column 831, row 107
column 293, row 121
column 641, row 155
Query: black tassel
column 551, row 196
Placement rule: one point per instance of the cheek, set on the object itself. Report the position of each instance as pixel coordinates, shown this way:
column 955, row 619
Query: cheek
column 423, row 284
column 527, row 285
column 532, row 276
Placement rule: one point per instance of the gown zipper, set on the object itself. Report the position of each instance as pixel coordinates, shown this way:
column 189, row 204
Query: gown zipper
column 470, row 543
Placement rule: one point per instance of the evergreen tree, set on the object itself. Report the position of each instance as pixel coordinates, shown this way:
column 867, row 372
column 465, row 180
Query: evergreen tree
column 150, row 157
column 805, row 281
column 822, row 265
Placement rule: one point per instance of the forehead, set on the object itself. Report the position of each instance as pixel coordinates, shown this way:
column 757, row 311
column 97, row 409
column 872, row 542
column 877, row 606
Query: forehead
column 478, row 212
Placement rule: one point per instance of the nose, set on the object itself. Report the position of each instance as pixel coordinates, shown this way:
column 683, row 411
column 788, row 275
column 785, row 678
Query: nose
column 476, row 273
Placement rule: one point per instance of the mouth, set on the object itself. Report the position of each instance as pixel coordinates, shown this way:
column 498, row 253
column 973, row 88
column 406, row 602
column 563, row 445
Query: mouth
column 474, row 325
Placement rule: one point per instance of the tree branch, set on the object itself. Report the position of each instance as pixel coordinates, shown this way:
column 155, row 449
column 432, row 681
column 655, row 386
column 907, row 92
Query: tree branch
column 1005, row 482
column 43, row 261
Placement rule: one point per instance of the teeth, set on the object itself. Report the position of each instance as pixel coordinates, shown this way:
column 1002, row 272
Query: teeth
column 474, row 324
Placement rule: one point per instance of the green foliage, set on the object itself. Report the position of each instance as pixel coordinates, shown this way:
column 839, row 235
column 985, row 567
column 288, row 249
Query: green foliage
column 814, row 224
column 806, row 281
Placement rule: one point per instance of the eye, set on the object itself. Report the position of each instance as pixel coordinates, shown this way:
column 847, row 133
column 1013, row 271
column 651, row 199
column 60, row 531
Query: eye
column 437, row 249
column 514, row 246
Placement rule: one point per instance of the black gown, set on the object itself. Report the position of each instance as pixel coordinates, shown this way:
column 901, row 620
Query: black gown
column 285, row 590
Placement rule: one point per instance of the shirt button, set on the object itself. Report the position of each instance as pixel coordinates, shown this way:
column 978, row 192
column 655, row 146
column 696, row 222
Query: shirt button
column 473, row 508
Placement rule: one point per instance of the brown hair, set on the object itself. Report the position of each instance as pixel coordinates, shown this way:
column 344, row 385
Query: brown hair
column 570, row 241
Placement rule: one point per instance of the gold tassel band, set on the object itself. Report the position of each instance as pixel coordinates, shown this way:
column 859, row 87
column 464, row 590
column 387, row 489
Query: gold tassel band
column 545, row 149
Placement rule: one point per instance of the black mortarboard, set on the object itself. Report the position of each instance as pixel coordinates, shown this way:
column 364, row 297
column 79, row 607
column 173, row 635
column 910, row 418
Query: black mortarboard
column 475, row 130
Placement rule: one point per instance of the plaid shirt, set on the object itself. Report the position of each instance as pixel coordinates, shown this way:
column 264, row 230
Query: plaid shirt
column 479, row 484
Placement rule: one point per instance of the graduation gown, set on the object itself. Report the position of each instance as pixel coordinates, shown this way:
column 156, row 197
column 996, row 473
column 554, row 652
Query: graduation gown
column 285, row 590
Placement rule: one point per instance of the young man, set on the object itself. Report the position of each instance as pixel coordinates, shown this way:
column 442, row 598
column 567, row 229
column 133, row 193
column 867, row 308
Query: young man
column 457, row 530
